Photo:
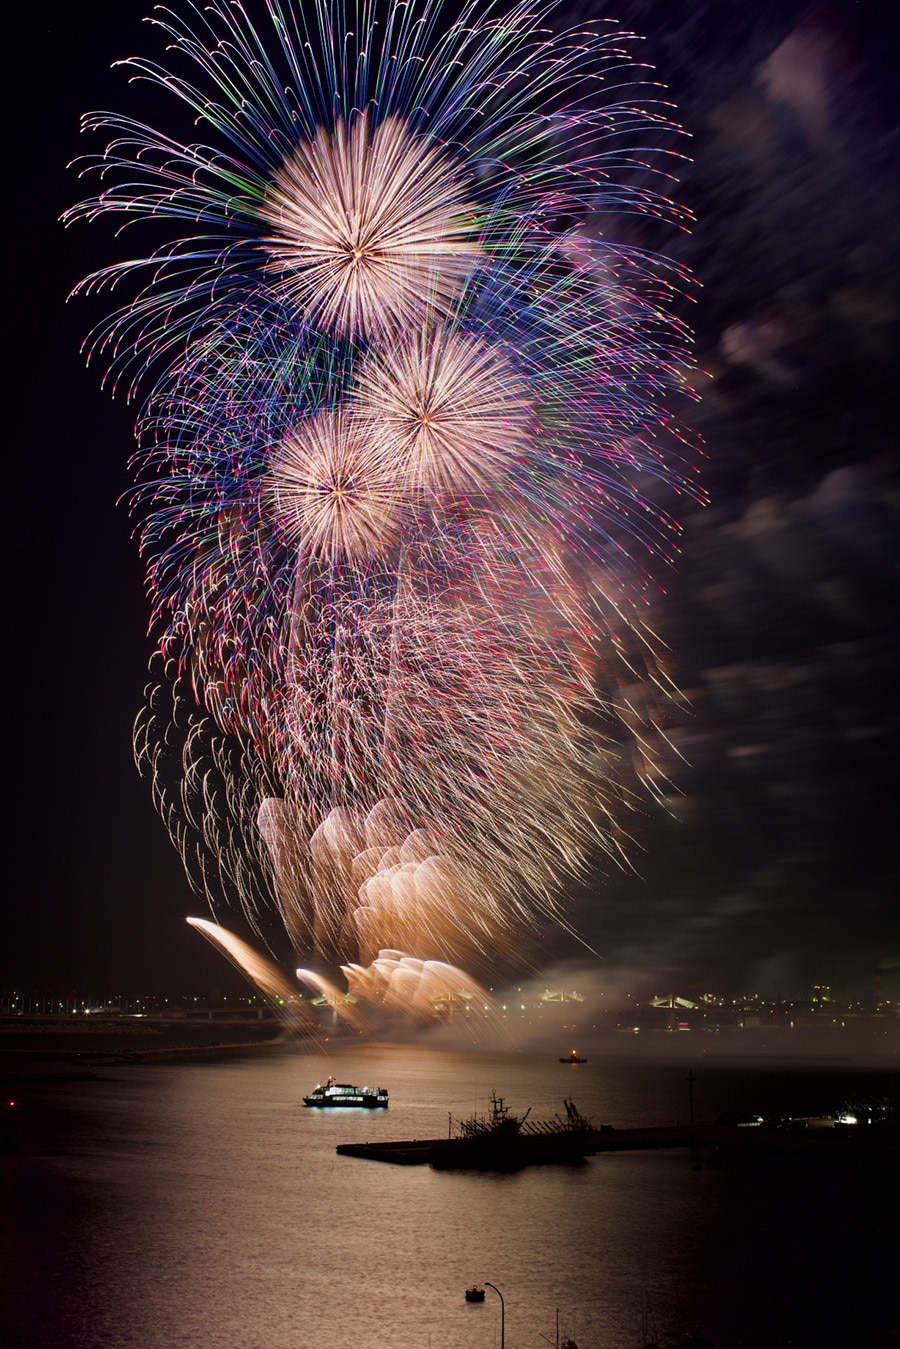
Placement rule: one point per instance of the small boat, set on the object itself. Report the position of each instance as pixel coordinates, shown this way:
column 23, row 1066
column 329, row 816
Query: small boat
column 474, row 1294
column 342, row 1094
column 574, row 1057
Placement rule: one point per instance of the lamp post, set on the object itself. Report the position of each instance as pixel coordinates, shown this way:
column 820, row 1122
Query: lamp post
column 502, row 1313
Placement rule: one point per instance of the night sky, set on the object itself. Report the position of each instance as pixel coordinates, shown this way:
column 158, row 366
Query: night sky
column 775, row 866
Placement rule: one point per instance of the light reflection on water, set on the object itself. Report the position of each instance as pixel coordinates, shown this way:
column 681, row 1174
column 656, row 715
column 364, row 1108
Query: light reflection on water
column 202, row 1205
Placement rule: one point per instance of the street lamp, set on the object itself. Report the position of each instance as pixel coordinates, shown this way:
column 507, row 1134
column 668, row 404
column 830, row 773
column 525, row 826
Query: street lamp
column 502, row 1313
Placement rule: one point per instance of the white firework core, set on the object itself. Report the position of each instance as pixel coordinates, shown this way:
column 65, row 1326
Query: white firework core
column 333, row 494
column 446, row 406
column 371, row 230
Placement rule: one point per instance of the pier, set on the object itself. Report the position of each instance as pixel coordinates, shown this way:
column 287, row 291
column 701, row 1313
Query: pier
column 817, row 1143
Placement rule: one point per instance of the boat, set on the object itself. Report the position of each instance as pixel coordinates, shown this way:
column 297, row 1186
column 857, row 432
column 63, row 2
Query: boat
column 504, row 1142
column 474, row 1294
column 342, row 1094
column 574, row 1057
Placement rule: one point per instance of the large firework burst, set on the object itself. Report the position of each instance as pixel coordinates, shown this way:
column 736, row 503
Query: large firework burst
column 389, row 460
column 445, row 406
column 369, row 231
column 334, row 490
column 517, row 131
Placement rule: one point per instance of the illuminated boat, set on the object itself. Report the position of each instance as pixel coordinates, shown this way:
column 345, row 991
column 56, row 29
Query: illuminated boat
column 342, row 1094
column 574, row 1057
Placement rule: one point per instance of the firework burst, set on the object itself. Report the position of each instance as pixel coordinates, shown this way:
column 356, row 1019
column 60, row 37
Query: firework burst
column 370, row 230
column 447, row 407
column 403, row 393
column 334, row 492
column 468, row 141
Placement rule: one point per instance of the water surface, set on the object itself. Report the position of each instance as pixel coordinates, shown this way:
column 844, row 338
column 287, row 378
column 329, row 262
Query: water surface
column 199, row 1204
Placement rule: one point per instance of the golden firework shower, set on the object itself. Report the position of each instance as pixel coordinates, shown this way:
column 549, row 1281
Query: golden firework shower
column 390, row 467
